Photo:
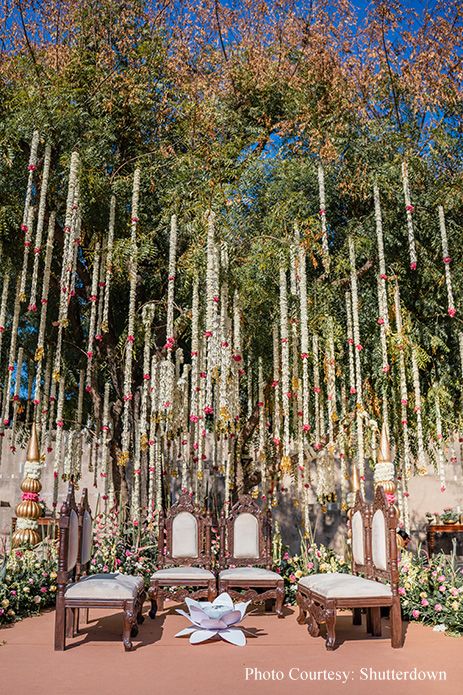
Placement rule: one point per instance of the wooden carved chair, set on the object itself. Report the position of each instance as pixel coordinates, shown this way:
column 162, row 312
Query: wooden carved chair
column 246, row 555
column 184, row 556
column 374, row 554
column 78, row 591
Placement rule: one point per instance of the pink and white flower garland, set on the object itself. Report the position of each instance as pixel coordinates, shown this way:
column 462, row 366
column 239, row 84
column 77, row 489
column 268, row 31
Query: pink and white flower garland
column 409, row 210
column 39, row 231
column 322, row 213
column 447, row 261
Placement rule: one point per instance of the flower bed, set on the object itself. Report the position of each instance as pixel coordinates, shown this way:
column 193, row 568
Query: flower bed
column 27, row 582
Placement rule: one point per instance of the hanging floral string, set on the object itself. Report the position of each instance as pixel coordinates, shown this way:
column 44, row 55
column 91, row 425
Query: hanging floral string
column 358, row 370
column 93, row 299
column 12, row 354
column 16, row 397
column 447, row 261
column 439, row 436
column 170, row 341
column 421, row 462
column 322, row 213
column 285, row 373
column 39, row 231
column 39, row 352
column 211, row 301
column 105, row 438
column 3, row 307
column 27, row 247
column 403, row 386
column 128, row 396
column 409, row 209
column 109, row 264
column 350, row 345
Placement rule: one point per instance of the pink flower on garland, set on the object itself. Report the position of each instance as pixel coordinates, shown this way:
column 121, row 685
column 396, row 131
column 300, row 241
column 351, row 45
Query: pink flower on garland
column 171, row 278
column 208, row 410
column 59, row 423
column 304, row 355
column 37, row 250
column 130, row 339
column 237, row 358
column 447, row 259
column 359, row 347
column 224, row 344
column 146, row 377
column 99, row 337
column 413, row 265
column 88, row 388
column 317, row 389
column 89, row 354
column 32, row 307
column 410, row 208
column 322, row 212
column 383, row 276
column 442, row 488
column 451, row 311
column 24, row 228
column 128, row 397
column 194, row 418
column 386, row 368
column 92, row 298
column 380, row 321
column 31, row 167
column 215, row 299
column 353, row 390
column 207, row 334
column 306, row 428
column 404, row 401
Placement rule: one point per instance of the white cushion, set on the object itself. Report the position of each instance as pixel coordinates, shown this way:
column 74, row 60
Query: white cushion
column 246, row 536
column 73, row 539
column 105, row 586
column 249, row 573
column 184, row 535
column 358, row 549
column 336, row 585
column 378, row 540
column 186, row 573
column 87, row 533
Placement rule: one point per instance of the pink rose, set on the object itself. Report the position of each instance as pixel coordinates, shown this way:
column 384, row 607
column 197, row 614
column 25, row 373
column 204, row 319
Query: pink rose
column 438, row 607
column 416, row 614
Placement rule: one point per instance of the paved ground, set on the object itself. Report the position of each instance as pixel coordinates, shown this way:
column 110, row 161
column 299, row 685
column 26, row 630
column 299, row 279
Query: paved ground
column 95, row 663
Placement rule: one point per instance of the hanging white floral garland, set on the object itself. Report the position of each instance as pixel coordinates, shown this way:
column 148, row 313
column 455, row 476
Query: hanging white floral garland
column 39, row 231
column 93, row 299
column 285, row 373
column 322, row 213
column 447, row 261
column 358, row 369
column 421, row 462
column 128, row 395
column 409, row 209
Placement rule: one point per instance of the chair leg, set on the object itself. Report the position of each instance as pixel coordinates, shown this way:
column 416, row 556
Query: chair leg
column 211, row 590
column 127, row 625
column 376, row 621
column 302, row 617
column 330, row 620
column 84, row 615
column 60, row 626
column 153, row 595
column 161, row 597
column 369, row 623
column 357, row 616
column 223, row 586
column 280, row 599
column 70, row 621
column 140, row 616
column 396, row 623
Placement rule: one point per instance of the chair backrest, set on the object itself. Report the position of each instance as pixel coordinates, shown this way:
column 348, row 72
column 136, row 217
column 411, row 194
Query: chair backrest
column 360, row 524
column 246, row 535
column 185, row 535
column 69, row 538
column 384, row 521
column 85, row 534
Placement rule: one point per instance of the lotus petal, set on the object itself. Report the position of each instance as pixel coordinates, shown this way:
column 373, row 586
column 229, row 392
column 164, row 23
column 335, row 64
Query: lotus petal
column 186, row 631
column 214, row 624
column 234, row 636
column 231, row 618
column 242, row 607
column 223, row 599
column 199, row 636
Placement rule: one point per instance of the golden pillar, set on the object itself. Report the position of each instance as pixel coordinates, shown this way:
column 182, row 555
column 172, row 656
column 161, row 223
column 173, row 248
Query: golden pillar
column 28, row 510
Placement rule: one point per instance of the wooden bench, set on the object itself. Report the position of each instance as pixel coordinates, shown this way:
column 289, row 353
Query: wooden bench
column 374, row 555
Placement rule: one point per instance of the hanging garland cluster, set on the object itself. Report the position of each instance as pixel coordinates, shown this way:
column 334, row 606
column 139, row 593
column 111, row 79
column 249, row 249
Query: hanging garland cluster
column 189, row 410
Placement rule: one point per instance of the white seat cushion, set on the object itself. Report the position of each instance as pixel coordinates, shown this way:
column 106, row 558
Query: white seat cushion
column 249, row 573
column 179, row 573
column 337, row 585
column 105, row 586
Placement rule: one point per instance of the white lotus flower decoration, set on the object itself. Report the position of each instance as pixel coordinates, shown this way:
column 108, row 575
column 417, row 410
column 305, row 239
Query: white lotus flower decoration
column 217, row 618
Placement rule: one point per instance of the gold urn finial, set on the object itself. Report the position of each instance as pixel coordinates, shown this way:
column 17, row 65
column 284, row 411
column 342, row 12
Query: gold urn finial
column 33, row 453
column 355, row 479
column 29, row 510
column 384, row 451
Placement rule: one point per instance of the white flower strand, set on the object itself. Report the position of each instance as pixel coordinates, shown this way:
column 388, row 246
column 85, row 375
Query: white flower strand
column 382, row 293
column 124, row 456
column 27, row 246
column 403, row 385
column 419, row 421
column 285, row 373
column 440, row 451
column 16, row 401
column 350, row 345
column 447, row 260
column 322, row 213
column 109, row 264
column 12, row 354
column 93, row 299
column 105, row 438
column 31, row 167
column 409, row 209
column 39, row 231
column 276, row 387
column 210, row 306
column 304, row 331
column 170, row 342
column 316, row 389
column 358, row 370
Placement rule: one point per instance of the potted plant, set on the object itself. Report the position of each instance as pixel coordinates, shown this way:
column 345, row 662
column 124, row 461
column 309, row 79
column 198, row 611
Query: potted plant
column 449, row 516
